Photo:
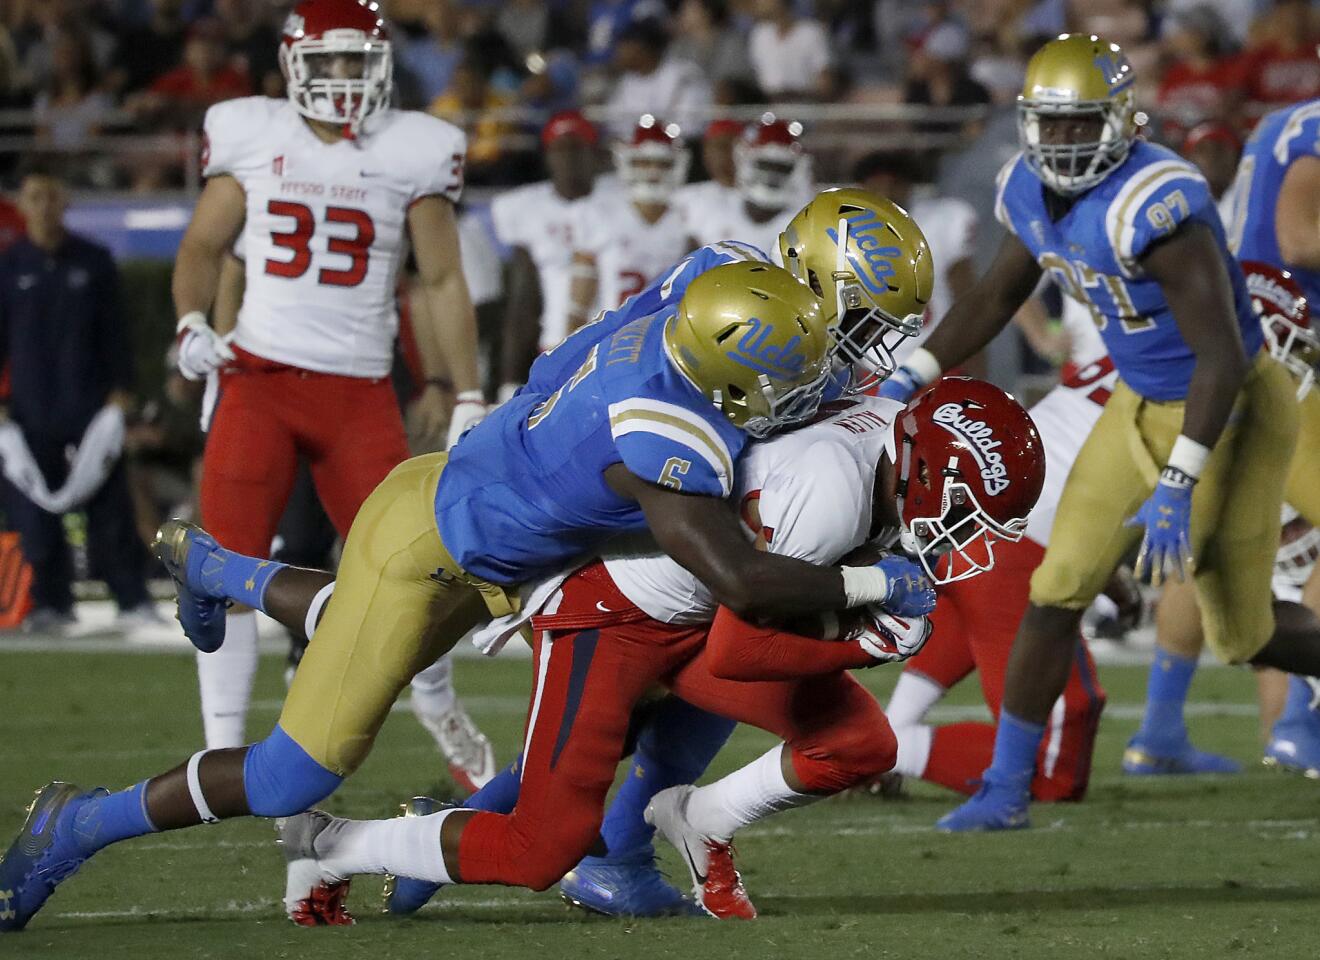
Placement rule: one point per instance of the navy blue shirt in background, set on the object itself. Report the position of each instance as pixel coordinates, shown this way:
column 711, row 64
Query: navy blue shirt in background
column 63, row 336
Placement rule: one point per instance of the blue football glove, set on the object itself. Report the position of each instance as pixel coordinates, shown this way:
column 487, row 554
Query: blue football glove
column 900, row 386
column 1167, row 517
column 910, row 592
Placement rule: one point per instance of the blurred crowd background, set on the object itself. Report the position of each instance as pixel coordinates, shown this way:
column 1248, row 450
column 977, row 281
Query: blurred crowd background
column 109, row 95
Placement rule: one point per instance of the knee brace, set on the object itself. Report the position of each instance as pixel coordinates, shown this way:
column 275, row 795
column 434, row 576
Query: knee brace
column 280, row 779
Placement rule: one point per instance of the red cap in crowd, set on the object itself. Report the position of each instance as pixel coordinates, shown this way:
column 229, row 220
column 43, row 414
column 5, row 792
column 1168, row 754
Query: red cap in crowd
column 722, row 128
column 569, row 123
column 1211, row 131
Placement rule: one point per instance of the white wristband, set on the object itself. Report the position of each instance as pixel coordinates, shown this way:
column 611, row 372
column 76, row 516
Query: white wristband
column 191, row 321
column 470, row 396
column 1188, row 456
column 862, row 585
column 923, row 365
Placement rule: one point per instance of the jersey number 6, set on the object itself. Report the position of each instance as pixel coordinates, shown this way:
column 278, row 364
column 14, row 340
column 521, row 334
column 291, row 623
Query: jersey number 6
column 298, row 239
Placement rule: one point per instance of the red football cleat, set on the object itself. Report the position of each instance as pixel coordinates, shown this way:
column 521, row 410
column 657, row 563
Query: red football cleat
column 324, row 907
column 716, row 885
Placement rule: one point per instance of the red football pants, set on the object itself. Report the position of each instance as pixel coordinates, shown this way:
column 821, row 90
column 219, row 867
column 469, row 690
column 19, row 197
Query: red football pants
column 348, row 428
column 591, row 669
column 976, row 622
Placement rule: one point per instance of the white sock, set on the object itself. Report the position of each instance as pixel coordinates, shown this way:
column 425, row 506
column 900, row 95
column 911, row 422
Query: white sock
column 404, row 846
column 225, row 678
column 433, row 689
column 913, row 749
column 745, row 796
column 912, row 699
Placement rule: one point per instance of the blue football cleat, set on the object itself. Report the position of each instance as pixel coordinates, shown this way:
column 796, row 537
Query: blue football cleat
column 1142, row 759
column 404, row 896
column 1295, row 740
column 625, row 886
column 990, row 809
column 187, row 551
column 46, row 852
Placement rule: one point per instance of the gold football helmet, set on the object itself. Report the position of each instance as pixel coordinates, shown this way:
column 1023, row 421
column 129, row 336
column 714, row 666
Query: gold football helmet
column 870, row 263
column 1076, row 77
column 752, row 339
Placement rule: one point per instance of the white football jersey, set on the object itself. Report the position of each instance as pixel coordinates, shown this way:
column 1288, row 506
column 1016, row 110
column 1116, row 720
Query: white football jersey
column 629, row 252
column 813, row 489
column 950, row 228
column 1084, row 343
column 725, row 218
column 538, row 219
column 690, row 198
column 325, row 226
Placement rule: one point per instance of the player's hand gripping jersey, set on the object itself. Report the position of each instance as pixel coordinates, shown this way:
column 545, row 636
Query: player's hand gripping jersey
column 1281, row 139
column 525, row 492
column 1094, row 250
column 325, row 226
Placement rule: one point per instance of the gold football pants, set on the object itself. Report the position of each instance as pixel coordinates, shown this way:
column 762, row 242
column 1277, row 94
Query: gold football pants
column 400, row 602
column 1235, row 506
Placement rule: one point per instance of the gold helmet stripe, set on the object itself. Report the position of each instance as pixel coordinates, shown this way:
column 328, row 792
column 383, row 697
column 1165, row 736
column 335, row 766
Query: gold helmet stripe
column 1120, row 225
column 673, row 422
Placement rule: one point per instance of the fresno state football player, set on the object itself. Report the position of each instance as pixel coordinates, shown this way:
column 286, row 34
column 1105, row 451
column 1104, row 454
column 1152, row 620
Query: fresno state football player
column 325, row 186
column 624, row 239
column 772, row 180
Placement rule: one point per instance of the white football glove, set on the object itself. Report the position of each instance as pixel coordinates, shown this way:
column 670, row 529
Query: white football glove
column 469, row 410
column 889, row 639
column 202, row 351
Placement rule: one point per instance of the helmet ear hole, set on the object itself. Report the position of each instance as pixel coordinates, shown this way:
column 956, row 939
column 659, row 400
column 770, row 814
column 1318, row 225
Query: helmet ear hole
column 813, row 280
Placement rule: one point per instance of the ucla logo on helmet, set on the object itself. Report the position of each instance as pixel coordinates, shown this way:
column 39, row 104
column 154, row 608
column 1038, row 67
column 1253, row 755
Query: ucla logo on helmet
column 864, row 230
column 1115, row 68
column 777, row 362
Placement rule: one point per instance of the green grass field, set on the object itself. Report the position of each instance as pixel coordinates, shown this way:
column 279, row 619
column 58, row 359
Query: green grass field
column 1168, row 868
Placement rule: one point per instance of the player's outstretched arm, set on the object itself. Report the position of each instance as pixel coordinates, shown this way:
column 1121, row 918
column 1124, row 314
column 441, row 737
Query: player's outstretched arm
column 1297, row 223
column 216, row 220
column 977, row 317
column 522, row 313
column 1191, row 272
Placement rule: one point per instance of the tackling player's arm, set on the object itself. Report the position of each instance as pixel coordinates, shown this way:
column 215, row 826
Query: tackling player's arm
column 1297, row 217
column 216, row 220
column 584, row 285
column 522, row 313
column 987, row 307
column 444, row 321
column 1190, row 270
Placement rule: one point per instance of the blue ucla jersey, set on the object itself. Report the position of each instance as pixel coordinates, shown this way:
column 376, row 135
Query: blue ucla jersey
column 1094, row 253
column 1281, row 139
column 556, row 366
column 524, row 491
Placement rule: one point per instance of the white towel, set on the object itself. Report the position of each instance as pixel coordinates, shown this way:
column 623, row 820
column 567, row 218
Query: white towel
column 19, row 467
column 96, row 455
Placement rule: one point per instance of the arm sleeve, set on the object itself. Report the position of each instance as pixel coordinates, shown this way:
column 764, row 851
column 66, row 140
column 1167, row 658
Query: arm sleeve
column 1300, row 137
column 441, row 154
column 738, row 650
column 670, row 445
column 1155, row 202
column 224, row 137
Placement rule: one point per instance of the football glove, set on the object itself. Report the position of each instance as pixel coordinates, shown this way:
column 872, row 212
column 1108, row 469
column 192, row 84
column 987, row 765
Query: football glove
column 889, row 639
column 1167, row 516
column 202, row 351
column 909, row 592
column 900, row 385
column 469, row 410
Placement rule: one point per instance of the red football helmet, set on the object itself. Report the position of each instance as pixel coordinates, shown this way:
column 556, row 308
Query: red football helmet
column 770, row 164
column 970, row 468
column 653, row 162
column 1299, row 548
column 1285, row 317
column 337, row 62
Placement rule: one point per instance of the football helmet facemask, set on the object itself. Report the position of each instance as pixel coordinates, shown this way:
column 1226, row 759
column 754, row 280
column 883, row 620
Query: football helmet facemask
column 337, row 61
column 769, row 163
column 652, row 162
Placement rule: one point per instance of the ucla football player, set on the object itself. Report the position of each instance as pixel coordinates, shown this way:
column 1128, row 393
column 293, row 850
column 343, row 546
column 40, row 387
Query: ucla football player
column 643, row 433
column 1195, row 443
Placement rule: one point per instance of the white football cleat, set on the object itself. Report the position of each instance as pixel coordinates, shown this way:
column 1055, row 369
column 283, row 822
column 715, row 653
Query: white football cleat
column 313, row 896
column 466, row 749
column 716, row 886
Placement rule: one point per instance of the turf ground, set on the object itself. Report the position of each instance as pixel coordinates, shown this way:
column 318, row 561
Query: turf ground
column 1193, row 867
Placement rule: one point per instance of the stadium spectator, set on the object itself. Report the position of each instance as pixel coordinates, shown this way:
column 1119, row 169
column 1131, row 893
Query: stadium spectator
column 251, row 41
column 705, row 35
column 1215, row 149
column 178, row 99
column 654, row 81
column 1202, row 81
column 938, row 75
column 608, row 19
column 148, row 50
column 71, row 369
column 790, row 54
column 472, row 103
column 532, row 26
column 427, row 55
column 70, row 109
column 1282, row 68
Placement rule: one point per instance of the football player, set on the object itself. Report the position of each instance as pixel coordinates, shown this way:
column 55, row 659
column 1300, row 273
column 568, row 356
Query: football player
column 771, row 183
column 1130, row 229
column 326, row 188
column 717, row 145
column 670, row 399
column 536, row 221
column 624, row 239
column 952, row 476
